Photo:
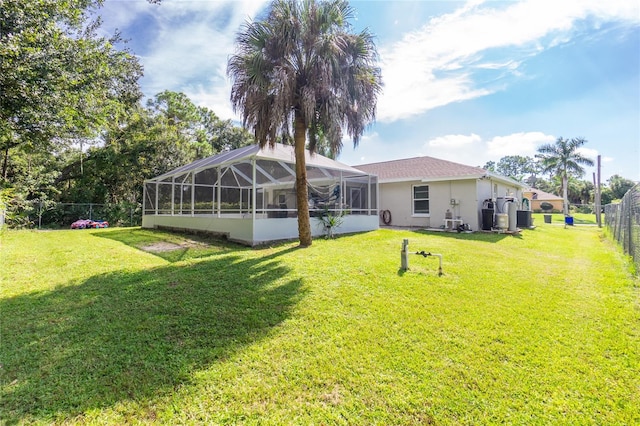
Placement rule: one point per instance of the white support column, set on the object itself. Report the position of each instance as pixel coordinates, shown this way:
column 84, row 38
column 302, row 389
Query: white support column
column 193, row 194
column 181, row 196
column 173, row 195
column 368, row 195
column 253, row 193
column 144, row 199
column 378, row 199
column 219, row 190
column 156, row 200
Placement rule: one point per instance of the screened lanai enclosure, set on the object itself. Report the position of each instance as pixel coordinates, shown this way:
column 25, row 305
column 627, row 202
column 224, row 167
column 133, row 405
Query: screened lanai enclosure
column 248, row 195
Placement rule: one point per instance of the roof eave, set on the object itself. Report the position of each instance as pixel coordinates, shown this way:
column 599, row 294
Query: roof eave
column 505, row 179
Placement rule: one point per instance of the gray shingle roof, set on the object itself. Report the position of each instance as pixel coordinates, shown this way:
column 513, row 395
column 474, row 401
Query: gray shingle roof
column 424, row 168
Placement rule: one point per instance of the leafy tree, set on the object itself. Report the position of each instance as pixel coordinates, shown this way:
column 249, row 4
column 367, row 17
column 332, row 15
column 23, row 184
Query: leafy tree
column 515, row 166
column 301, row 69
column 177, row 129
column 490, row 166
column 619, row 186
column 562, row 159
column 547, row 185
column 585, row 192
column 58, row 78
column 170, row 132
column 606, row 196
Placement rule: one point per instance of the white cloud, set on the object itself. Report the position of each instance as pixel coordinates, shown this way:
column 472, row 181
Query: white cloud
column 590, row 153
column 418, row 71
column 455, row 141
column 474, row 150
column 524, row 144
column 471, row 149
column 121, row 13
column 189, row 45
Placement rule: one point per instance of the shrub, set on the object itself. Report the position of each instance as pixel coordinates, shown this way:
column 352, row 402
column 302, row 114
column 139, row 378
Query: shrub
column 546, row 206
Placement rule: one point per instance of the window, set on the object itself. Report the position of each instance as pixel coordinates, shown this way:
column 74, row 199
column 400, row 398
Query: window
column 421, row 200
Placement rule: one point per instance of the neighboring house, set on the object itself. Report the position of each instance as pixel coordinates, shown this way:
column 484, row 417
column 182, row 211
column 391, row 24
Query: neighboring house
column 248, row 195
column 423, row 191
column 537, row 197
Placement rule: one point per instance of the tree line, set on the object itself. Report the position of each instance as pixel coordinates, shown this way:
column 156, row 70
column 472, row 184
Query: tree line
column 299, row 75
column 535, row 172
column 74, row 127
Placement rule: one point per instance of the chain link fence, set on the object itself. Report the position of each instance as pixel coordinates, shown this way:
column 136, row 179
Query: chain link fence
column 623, row 221
column 52, row 215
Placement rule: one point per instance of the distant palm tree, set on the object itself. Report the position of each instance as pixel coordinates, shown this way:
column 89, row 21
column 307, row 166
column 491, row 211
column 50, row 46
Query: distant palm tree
column 561, row 159
column 301, row 69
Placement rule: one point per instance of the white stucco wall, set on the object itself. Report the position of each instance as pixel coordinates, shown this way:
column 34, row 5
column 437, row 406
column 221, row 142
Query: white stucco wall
column 234, row 228
column 397, row 197
column 243, row 230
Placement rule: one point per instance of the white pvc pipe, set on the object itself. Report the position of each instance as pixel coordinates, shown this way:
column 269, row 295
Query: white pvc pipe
column 433, row 254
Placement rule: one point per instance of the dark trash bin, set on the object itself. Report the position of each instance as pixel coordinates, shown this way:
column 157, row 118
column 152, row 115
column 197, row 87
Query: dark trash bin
column 547, row 218
column 568, row 220
column 487, row 219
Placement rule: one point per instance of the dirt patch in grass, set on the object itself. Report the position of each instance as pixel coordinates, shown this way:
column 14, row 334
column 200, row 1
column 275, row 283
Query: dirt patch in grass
column 164, row 246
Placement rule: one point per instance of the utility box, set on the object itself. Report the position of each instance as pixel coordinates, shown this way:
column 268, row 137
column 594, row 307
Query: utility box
column 524, row 219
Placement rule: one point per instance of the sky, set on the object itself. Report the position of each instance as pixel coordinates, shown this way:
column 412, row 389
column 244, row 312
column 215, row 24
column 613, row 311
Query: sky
column 469, row 82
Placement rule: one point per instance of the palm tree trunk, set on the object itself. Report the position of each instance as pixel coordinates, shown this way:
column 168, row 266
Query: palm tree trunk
column 302, row 197
column 565, row 194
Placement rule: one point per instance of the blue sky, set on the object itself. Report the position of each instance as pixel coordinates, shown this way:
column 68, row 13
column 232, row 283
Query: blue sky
column 463, row 81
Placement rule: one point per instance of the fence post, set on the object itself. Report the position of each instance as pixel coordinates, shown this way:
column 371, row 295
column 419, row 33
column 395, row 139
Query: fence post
column 630, row 229
column 622, row 220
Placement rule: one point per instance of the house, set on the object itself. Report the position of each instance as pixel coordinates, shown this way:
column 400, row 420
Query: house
column 427, row 192
column 538, row 197
column 248, row 195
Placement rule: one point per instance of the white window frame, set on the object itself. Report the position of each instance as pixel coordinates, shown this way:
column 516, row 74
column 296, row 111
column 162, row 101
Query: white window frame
column 413, row 201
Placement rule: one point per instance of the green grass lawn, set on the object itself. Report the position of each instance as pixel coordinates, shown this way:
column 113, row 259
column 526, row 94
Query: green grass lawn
column 129, row 326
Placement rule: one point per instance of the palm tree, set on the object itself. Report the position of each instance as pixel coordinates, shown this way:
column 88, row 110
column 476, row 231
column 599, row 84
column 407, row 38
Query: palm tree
column 300, row 69
column 562, row 158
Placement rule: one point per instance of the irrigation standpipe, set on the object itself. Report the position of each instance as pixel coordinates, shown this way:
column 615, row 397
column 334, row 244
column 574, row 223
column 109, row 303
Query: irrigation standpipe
column 404, row 256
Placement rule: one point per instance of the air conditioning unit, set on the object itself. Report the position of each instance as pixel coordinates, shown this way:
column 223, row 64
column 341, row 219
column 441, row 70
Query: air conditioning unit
column 454, row 202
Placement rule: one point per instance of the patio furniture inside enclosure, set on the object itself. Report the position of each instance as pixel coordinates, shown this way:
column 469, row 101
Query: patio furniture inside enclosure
column 259, row 183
